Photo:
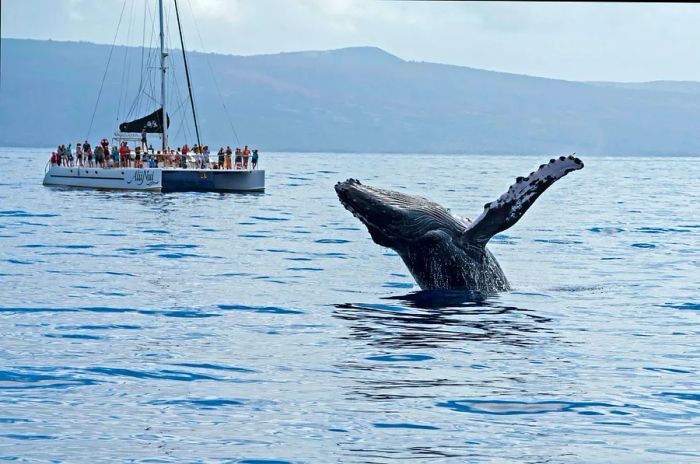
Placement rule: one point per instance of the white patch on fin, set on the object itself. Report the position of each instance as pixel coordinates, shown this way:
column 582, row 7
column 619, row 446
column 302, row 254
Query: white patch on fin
column 522, row 194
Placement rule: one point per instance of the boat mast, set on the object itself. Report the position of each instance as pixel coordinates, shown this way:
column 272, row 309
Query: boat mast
column 187, row 73
column 163, row 56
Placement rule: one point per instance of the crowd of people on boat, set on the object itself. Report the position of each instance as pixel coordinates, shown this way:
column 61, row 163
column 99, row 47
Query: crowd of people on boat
column 140, row 156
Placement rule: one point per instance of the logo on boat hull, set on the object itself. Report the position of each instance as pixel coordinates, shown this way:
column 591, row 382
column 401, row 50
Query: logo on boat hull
column 143, row 177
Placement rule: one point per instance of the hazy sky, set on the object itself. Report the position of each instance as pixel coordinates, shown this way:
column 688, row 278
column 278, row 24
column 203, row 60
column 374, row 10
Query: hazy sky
column 577, row 41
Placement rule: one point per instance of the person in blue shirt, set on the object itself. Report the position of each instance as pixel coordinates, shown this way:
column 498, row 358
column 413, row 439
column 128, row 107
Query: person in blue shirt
column 254, row 159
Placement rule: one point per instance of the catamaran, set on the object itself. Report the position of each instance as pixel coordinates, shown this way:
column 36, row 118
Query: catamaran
column 159, row 177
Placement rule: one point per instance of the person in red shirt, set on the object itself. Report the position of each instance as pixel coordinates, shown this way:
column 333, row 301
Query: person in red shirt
column 122, row 156
column 246, row 155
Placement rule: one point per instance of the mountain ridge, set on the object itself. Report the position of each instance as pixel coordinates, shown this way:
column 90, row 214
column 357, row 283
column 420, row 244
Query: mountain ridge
column 354, row 99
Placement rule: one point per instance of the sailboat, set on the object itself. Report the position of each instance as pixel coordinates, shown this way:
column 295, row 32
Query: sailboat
column 158, row 178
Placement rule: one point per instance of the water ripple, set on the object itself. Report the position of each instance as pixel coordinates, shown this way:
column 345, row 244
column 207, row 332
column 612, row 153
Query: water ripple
column 500, row 407
column 260, row 309
column 29, row 379
column 164, row 374
column 198, row 403
column 380, row 425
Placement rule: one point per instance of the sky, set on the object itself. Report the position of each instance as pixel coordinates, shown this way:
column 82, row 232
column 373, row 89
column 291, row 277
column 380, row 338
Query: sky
column 574, row 41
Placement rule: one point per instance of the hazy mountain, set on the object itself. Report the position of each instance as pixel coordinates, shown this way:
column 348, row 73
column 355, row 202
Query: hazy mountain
column 355, row 99
column 664, row 86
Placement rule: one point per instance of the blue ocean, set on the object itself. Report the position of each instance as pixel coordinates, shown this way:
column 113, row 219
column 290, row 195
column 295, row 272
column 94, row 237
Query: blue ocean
column 269, row 328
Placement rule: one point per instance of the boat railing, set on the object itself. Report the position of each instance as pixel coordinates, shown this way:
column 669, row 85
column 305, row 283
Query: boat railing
column 173, row 168
column 190, row 165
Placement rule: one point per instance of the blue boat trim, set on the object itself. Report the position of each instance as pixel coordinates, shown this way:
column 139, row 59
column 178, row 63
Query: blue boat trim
column 212, row 180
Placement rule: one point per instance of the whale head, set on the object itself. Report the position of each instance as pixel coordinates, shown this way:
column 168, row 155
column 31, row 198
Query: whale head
column 394, row 219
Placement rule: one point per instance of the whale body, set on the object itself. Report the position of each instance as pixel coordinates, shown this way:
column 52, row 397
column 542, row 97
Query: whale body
column 442, row 250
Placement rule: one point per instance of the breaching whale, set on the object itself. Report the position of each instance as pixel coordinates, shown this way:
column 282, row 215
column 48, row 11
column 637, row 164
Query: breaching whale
column 441, row 250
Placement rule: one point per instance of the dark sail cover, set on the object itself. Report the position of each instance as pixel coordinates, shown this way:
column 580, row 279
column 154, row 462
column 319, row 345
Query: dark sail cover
column 153, row 123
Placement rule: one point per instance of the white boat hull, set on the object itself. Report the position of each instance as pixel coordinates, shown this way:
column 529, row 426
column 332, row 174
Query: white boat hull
column 157, row 179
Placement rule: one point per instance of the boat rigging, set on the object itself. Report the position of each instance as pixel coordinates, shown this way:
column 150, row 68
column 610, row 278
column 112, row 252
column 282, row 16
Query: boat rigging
column 164, row 170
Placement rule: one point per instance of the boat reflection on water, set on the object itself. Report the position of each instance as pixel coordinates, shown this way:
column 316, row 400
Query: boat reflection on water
column 438, row 318
column 157, row 201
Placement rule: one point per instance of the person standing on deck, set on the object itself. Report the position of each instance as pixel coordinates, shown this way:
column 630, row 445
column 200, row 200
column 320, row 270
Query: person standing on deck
column 99, row 156
column 144, row 143
column 255, row 158
column 122, row 155
column 105, row 147
column 183, row 159
column 205, row 157
column 246, row 155
column 59, row 155
column 87, row 151
column 238, row 158
column 227, row 165
column 221, row 158
column 69, row 152
column 79, row 154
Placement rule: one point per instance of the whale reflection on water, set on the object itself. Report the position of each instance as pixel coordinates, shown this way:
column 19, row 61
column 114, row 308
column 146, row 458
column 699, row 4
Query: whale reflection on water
column 437, row 318
column 439, row 299
column 418, row 351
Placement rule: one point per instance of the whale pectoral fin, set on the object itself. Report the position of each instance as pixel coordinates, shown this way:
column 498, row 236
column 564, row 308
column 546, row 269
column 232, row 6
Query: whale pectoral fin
column 501, row 214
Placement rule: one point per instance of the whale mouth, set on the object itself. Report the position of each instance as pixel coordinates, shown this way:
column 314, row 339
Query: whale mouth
column 363, row 203
column 346, row 197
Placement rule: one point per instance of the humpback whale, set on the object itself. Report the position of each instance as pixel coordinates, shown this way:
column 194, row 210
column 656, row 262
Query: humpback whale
column 442, row 250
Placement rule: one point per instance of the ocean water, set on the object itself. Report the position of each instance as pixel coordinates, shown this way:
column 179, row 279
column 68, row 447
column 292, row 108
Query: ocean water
column 204, row 327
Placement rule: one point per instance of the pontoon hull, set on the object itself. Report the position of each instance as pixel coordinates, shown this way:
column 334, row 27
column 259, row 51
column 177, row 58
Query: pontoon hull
column 157, row 179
